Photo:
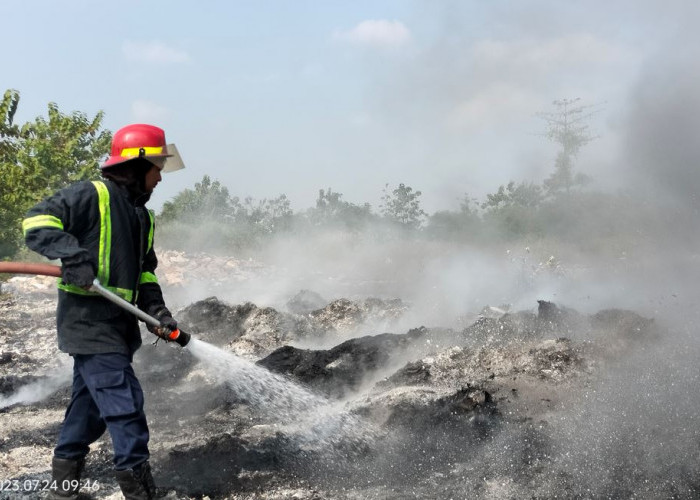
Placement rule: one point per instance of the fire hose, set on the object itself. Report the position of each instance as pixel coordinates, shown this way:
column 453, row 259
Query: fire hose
column 176, row 335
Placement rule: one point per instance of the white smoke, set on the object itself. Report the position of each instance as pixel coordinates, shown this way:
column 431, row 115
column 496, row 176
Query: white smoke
column 41, row 389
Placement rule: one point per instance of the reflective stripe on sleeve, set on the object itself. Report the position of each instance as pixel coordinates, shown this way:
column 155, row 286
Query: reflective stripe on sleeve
column 147, row 277
column 41, row 221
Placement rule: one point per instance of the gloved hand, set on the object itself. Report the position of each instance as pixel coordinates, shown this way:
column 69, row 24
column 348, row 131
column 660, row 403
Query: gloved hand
column 81, row 275
column 167, row 324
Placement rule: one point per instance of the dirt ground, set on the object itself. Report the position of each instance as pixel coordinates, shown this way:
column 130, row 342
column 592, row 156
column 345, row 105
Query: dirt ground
column 329, row 399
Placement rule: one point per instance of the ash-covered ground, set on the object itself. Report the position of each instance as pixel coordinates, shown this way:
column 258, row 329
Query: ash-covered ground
column 353, row 397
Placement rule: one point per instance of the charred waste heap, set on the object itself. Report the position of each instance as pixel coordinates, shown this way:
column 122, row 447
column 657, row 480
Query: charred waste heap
column 501, row 409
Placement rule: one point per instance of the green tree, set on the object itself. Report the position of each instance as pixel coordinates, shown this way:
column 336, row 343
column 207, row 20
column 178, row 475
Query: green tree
column 402, row 205
column 523, row 195
column 567, row 126
column 11, row 197
column 206, row 216
column 464, row 224
column 41, row 157
column 513, row 209
column 65, row 148
column 9, row 132
column 269, row 216
column 209, row 216
column 208, row 201
column 328, row 206
column 332, row 210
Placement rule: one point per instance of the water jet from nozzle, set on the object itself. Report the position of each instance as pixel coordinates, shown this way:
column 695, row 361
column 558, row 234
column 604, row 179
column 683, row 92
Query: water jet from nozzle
column 312, row 420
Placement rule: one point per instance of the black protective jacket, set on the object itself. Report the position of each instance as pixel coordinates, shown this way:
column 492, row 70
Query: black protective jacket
column 101, row 223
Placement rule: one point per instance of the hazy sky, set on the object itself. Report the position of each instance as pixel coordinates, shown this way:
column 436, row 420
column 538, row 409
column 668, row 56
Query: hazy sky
column 274, row 97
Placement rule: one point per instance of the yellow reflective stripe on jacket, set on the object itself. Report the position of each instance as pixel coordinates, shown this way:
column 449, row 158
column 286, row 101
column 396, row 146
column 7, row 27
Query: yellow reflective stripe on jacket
column 105, row 248
column 122, row 292
column 147, row 277
column 41, row 221
column 150, row 231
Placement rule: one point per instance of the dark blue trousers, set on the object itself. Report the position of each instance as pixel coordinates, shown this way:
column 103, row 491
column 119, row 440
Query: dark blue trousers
column 106, row 395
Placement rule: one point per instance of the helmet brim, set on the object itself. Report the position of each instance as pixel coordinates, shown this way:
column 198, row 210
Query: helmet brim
column 173, row 161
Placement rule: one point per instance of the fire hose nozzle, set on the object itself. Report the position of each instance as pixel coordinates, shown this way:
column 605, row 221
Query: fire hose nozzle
column 179, row 337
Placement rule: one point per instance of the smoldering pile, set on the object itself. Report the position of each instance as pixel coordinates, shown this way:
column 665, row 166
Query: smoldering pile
column 476, row 412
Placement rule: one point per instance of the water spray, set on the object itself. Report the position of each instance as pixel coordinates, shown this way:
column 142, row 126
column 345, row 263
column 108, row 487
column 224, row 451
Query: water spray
column 310, row 419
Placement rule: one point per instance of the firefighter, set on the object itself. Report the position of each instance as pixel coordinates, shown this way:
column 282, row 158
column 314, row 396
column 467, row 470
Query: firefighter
column 102, row 229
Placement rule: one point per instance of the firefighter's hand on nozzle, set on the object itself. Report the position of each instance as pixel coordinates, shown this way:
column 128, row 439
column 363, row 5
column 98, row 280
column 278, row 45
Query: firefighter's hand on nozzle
column 167, row 325
column 81, row 274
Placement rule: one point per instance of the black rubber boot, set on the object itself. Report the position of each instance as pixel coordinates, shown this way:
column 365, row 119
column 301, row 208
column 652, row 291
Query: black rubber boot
column 137, row 483
column 65, row 476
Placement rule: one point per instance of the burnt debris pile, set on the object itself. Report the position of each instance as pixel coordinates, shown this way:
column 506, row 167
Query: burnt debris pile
column 357, row 411
column 255, row 332
column 344, row 368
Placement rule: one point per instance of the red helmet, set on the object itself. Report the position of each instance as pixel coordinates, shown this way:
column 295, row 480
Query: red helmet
column 143, row 141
